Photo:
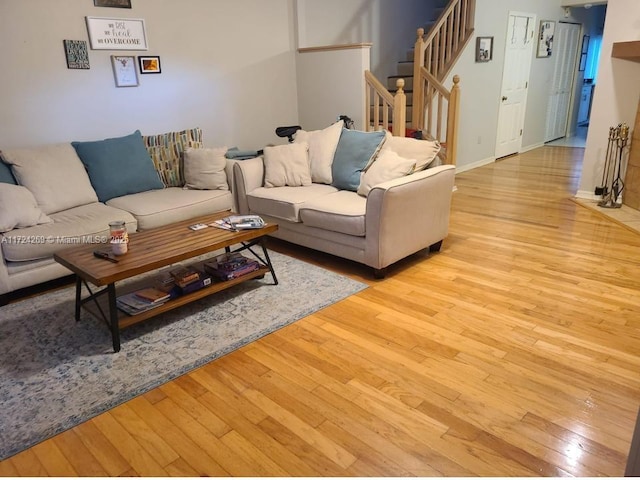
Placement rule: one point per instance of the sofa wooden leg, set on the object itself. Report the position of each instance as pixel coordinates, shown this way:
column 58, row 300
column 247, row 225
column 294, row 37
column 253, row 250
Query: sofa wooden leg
column 435, row 247
column 379, row 273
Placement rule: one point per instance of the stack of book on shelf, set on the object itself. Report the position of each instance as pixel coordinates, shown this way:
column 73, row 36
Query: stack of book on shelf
column 230, row 265
column 142, row 300
column 189, row 279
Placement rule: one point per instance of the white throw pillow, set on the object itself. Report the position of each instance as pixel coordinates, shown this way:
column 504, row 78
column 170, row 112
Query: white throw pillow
column 54, row 174
column 287, row 165
column 388, row 166
column 204, row 168
column 422, row 151
column 18, row 208
column 322, row 148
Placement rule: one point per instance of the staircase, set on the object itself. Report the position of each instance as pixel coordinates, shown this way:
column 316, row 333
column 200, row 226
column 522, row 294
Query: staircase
column 405, row 67
column 419, row 100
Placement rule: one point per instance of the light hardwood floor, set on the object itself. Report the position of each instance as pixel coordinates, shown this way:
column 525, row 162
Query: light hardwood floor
column 512, row 352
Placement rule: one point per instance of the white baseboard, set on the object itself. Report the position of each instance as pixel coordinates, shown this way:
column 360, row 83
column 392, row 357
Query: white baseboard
column 587, row 195
column 532, row 147
column 471, row 166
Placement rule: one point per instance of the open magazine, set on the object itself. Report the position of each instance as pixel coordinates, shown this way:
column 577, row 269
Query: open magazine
column 240, row 222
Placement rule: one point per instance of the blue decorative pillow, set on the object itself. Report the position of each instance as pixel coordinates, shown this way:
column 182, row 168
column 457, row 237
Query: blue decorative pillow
column 118, row 166
column 354, row 152
column 6, row 175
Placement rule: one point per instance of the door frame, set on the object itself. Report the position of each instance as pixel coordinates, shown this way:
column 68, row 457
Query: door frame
column 532, row 19
column 574, row 78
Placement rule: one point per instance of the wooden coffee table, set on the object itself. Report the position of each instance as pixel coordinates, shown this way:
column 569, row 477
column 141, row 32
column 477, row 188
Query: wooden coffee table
column 151, row 250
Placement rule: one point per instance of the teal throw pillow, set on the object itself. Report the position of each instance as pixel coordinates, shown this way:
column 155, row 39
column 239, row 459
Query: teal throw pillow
column 118, row 166
column 354, row 152
column 6, row 175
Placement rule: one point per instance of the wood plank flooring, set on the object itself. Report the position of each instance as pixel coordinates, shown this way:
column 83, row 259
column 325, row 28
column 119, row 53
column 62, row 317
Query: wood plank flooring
column 512, row 352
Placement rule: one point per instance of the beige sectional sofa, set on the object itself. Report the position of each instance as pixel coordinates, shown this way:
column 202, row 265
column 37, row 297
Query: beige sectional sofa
column 55, row 196
column 390, row 204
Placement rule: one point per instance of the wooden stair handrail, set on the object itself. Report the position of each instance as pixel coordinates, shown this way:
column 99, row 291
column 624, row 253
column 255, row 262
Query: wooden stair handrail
column 394, row 104
column 438, row 51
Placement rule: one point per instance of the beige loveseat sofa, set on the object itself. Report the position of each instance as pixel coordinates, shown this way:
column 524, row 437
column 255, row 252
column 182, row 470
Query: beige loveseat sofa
column 395, row 202
column 56, row 196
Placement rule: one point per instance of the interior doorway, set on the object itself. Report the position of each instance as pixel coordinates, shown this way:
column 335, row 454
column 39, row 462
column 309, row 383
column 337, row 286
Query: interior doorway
column 515, row 82
column 590, row 41
column 565, row 54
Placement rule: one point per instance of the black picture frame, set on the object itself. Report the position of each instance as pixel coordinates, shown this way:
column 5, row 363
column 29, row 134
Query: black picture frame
column 77, row 54
column 149, row 64
column 112, row 3
column 484, row 49
column 585, row 44
column 583, row 62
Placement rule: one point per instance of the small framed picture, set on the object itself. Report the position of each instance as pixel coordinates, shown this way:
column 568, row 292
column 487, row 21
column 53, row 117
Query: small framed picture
column 484, row 49
column 76, row 53
column 124, row 70
column 545, row 38
column 149, row 64
column 112, row 3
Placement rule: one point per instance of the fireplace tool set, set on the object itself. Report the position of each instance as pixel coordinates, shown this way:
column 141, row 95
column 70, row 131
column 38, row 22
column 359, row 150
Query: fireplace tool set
column 612, row 183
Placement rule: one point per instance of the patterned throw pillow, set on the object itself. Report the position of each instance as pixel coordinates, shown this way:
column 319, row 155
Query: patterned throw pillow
column 167, row 153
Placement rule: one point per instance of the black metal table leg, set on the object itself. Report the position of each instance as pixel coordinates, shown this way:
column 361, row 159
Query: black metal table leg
column 113, row 317
column 78, row 297
column 268, row 261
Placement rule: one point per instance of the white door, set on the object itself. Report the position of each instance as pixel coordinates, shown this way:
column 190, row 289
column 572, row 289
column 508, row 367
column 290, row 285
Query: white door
column 564, row 55
column 515, row 81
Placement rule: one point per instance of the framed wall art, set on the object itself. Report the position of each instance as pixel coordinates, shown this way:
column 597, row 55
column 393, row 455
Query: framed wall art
column 545, row 38
column 484, row 49
column 77, row 54
column 124, row 70
column 149, row 64
column 112, row 3
column 583, row 53
column 116, row 33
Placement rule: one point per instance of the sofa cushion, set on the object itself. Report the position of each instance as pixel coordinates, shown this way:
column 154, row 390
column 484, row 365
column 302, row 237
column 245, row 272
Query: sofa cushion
column 54, row 174
column 118, row 166
column 287, row 165
column 204, row 168
column 156, row 208
column 423, row 152
column 285, row 202
column 84, row 224
column 387, row 166
column 354, row 153
column 322, row 148
column 342, row 212
column 167, row 150
column 18, row 208
column 6, row 175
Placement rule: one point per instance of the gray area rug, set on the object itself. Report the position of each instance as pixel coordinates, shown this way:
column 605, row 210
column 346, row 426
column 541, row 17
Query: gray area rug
column 56, row 373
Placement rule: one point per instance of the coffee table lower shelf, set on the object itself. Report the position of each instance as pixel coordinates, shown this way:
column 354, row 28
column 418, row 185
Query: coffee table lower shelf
column 101, row 303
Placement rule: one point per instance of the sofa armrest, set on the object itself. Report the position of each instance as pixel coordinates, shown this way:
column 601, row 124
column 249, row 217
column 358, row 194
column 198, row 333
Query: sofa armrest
column 247, row 176
column 408, row 214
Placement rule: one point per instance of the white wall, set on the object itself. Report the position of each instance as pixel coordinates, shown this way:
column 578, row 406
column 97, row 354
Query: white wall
column 390, row 25
column 227, row 67
column 616, row 94
column 331, row 83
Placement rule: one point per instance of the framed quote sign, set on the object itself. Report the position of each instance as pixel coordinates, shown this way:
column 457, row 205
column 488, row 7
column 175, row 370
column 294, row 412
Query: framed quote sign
column 116, row 33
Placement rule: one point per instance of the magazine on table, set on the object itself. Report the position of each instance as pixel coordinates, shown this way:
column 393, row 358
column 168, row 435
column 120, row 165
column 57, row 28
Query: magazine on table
column 244, row 222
